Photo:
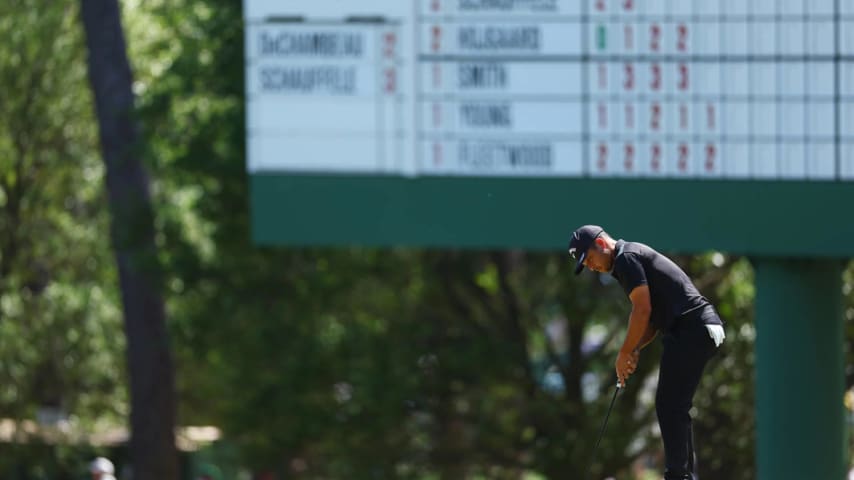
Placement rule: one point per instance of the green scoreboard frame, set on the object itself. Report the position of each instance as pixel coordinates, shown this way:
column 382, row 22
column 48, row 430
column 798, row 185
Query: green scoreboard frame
column 750, row 217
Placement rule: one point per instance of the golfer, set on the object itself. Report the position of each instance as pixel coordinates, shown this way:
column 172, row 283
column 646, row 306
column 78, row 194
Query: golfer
column 664, row 300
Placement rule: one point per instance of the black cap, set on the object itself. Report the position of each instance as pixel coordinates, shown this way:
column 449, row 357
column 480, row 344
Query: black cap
column 581, row 241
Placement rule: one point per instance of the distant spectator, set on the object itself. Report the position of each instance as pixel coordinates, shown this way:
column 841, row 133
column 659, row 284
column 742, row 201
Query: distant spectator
column 102, row 469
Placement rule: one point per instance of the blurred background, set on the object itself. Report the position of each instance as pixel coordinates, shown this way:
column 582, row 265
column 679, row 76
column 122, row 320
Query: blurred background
column 338, row 360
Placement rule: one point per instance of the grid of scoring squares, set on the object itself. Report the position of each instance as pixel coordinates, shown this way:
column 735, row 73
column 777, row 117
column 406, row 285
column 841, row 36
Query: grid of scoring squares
column 761, row 89
column 738, row 89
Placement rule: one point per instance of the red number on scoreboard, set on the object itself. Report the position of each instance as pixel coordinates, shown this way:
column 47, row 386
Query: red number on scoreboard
column 655, row 82
column 710, row 157
column 436, row 43
column 655, row 161
column 629, row 157
column 629, row 73
column 682, row 162
column 682, row 84
column 682, row 37
column 602, row 158
column 435, row 6
column 390, row 84
column 628, row 4
column 654, row 37
column 389, row 41
column 655, row 116
column 600, row 5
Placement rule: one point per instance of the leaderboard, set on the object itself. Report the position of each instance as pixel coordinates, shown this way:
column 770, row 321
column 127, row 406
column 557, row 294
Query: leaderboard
column 729, row 89
column 501, row 88
column 324, row 97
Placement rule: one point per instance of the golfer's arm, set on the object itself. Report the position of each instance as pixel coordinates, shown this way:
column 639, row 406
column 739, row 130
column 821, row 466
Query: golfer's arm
column 648, row 336
column 639, row 320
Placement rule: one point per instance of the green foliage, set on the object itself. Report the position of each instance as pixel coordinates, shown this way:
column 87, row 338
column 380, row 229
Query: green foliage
column 60, row 330
column 725, row 399
column 61, row 341
column 848, row 312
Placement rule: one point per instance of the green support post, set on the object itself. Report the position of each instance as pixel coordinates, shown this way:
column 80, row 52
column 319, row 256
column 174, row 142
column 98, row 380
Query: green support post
column 800, row 416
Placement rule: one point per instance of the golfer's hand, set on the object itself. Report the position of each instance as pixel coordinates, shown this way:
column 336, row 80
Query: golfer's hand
column 625, row 365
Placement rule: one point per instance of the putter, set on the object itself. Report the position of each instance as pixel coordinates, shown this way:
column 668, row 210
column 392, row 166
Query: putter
column 602, row 431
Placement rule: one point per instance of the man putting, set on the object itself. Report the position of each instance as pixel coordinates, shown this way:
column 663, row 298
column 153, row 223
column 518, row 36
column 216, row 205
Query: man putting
column 663, row 300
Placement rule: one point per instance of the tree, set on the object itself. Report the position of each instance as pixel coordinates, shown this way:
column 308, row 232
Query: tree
column 60, row 328
column 148, row 351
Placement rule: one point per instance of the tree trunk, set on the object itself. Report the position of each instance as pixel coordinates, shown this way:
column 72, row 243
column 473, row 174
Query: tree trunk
column 152, row 391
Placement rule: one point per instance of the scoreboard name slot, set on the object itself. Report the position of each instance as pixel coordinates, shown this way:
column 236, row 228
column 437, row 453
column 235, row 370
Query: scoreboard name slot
column 487, row 115
column 507, row 5
column 331, row 79
column 512, row 39
column 481, row 75
column 496, row 155
column 312, row 44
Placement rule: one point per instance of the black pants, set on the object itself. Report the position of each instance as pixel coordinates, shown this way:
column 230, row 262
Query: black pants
column 687, row 348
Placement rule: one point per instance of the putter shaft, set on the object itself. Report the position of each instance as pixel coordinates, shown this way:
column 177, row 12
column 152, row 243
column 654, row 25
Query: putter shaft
column 602, row 431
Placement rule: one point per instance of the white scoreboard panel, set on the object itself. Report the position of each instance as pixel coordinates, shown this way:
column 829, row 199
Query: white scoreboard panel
column 734, row 89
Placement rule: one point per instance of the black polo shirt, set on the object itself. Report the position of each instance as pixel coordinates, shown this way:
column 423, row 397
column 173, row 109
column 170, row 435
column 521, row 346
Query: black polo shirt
column 674, row 297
